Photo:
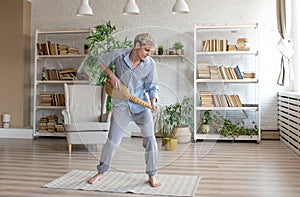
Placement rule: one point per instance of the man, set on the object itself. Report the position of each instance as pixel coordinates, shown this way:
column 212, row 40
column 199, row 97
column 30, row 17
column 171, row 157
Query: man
column 137, row 71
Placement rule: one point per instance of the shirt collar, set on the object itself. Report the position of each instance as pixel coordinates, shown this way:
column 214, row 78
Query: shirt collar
column 127, row 59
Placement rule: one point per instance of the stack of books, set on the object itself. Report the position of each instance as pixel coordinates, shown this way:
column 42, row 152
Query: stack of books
column 203, row 70
column 242, row 44
column 46, row 98
column 206, row 99
column 214, row 71
column 50, row 124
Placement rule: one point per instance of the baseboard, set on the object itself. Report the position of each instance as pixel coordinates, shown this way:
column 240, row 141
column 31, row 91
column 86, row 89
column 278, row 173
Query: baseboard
column 23, row 133
column 265, row 134
column 136, row 134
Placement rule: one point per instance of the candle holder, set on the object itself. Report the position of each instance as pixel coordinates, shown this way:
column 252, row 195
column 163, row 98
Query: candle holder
column 6, row 120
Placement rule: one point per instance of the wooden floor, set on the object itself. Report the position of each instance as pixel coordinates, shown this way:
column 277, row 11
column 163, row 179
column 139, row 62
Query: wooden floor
column 227, row 169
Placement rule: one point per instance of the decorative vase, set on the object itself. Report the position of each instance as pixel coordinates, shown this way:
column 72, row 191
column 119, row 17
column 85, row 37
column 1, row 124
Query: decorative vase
column 183, row 134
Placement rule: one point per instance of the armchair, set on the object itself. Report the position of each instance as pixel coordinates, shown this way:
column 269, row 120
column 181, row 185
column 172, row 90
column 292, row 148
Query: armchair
column 85, row 117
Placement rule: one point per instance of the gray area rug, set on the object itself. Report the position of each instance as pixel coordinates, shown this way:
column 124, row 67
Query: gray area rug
column 123, row 182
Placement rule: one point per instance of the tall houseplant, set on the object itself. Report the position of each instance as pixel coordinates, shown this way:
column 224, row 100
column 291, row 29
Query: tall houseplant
column 101, row 41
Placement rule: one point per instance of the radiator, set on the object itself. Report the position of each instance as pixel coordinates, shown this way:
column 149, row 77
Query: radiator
column 289, row 119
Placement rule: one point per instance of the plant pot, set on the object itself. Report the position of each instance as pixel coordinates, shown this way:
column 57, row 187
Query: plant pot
column 179, row 52
column 170, row 144
column 205, row 128
column 182, row 134
column 160, row 51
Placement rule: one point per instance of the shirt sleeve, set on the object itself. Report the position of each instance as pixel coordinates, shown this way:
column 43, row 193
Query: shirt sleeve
column 108, row 58
column 151, row 85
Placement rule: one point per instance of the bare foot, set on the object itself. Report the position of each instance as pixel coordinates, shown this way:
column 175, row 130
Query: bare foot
column 153, row 182
column 95, row 178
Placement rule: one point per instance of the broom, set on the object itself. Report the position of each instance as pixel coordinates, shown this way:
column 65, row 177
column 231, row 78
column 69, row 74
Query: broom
column 123, row 93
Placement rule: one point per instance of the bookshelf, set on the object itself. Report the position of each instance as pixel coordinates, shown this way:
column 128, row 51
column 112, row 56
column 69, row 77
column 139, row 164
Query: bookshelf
column 58, row 55
column 226, row 82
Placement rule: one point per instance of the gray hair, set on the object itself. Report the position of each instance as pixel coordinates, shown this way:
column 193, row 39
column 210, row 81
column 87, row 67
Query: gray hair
column 144, row 39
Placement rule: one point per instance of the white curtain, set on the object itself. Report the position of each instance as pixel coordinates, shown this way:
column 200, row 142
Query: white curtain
column 284, row 21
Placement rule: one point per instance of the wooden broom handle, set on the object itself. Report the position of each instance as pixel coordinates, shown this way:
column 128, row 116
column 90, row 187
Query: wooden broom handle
column 139, row 101
column 131, row 97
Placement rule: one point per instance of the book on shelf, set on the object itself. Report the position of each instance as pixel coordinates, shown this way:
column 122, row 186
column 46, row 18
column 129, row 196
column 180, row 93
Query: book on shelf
column 216, row 101
column 231, row 47
column 203, row 70
column 42, row 49
column 207, row 71
column 67, row 74
column 46, row 98
column 224, row 100
column 62, row 74
column 230, row 73
column 50, row 124
column 206, row 99
column 214, row 71
column 250, row 75
column 53, row 49
column 238, row 100
column 238, row 72
column 242, row 44
column 51, row 99
column 49, row 48
column 213, row 45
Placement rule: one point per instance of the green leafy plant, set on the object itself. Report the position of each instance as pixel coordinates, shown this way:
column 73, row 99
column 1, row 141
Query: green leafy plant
column 227, row 128
column 101, row 41
column 174, row 115
column 207, row 118
column 177, row 45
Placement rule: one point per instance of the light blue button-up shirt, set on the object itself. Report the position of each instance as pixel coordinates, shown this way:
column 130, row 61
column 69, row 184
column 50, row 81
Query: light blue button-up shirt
column 141, row 81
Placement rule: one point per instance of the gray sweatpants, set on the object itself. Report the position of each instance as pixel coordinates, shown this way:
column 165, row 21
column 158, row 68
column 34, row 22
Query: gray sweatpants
column 119, row 121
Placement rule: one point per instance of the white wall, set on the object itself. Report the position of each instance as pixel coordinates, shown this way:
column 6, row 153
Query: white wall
column 156, row 17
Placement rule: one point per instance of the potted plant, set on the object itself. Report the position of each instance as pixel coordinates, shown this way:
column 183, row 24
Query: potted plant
column 177, row 46
column 101, row 41
column 160, row 50
column 164, row 127
column 206, row 121
column 177, row 119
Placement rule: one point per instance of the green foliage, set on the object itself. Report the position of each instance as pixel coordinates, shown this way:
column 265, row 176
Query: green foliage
column 174, row 115
column 177, row 45
column 207, row 118
column 227, row 128
column 101, row 41
column 160, row 47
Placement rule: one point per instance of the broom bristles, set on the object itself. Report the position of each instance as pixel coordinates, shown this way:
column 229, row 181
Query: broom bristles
column 123, row 94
